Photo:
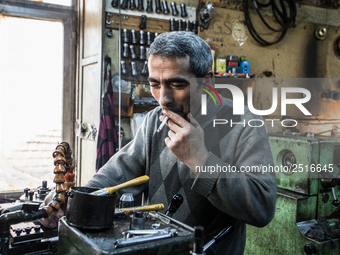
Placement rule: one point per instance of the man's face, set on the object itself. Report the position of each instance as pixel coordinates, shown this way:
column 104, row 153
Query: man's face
column 169, row 79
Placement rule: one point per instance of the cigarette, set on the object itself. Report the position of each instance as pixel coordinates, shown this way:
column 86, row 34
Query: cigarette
column 162, row 125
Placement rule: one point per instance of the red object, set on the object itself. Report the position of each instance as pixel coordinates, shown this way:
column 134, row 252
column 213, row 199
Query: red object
column 232, row 63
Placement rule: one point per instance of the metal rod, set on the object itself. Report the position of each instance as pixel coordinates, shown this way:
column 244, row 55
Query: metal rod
column 120, row 80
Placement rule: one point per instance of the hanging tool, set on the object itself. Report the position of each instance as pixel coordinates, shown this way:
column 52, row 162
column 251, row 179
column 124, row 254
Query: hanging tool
column 140, row 5
column 134, row 182
column 158, row 6
column 174, row 9
column 142, row 52
column 134, row 68
column 149, row 8
column 126, row 50
column 145, row 68
column 142, row 24
column 133, row 52
column 180, row 26
column 123, row 67
column 134, row 36
column 187, row 25
column 172, row 24
column 165, row 8
column 124, row 4
column 183, row 11
column 194, row 27
column 141, row 37
column 114, row 3
column 149, row 41
column 126, row 36
column 132, row 4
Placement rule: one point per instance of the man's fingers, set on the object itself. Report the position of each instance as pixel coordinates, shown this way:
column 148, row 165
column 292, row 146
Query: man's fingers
column 193, row 121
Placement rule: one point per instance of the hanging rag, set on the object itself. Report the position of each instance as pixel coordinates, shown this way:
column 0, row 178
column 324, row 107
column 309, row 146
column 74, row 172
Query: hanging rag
column 107, row 135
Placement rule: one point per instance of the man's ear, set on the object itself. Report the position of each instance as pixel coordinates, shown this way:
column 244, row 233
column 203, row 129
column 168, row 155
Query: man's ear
column 210, row 74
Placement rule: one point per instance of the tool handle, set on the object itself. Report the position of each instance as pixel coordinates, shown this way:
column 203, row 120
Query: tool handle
column 155, row 207
column 134, row 182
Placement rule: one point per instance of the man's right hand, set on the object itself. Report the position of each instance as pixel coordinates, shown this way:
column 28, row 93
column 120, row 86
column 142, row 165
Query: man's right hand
column 53, row 219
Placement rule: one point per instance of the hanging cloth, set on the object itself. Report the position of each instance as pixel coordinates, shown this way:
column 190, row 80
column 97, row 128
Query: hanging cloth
column 107, row 135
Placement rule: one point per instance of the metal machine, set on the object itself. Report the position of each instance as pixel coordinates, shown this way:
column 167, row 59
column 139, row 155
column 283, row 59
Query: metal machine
column 307, row 213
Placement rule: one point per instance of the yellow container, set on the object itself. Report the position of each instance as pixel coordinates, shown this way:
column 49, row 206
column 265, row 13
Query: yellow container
column 221, row 65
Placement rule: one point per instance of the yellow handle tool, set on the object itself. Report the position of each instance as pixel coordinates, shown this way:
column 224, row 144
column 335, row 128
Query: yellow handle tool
column 111, row 190
column 125, row 211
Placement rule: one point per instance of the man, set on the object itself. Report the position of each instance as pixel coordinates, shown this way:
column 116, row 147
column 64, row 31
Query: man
column 171, row 157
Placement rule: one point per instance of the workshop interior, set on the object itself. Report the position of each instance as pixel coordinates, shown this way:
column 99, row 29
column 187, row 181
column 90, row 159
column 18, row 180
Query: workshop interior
column 66, row 66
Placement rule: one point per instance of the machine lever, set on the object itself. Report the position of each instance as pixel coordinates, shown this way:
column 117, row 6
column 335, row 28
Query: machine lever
column 336, row 201
column 224, row 232
column 175, row 203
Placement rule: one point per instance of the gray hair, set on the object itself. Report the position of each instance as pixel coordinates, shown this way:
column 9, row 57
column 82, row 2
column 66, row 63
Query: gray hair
column 183, row 44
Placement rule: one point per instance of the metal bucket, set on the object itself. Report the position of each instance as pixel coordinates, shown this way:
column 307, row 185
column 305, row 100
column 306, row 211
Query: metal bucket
column 87, row 211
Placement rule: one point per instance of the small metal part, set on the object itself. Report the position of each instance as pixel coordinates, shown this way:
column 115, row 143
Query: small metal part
column 187, row 25
column 108, row 21
column 126, row 17
column 126, row 50
column 149, row 7
column 123, row 67
column 123, row 242
column 36, row 228
column 165, row 8
column 142, row 24
column 156, row 34
column 155, row 226
column 30, row 195
column 320, row 33
column 141, row 37
column 137, row 220
column 148, row 36
column 194, row 27
column 172, row 24
column 199, row 240
column 158, row 6
column 114, row 3
column 142, row 54
column 132, row 4
column 126, row 37
column 174, row 9
column 18, row 231
column 183, row 11
column 27, row 230
column 124, row 4
column 145, row 67
column 134, row 68
column 336, row 201
column 110, row 33
column 309, row 249
column 126, row 200
column 140, row 5
column 134, row 36
column 180, row 25
column 133, row 52
column 26, row 192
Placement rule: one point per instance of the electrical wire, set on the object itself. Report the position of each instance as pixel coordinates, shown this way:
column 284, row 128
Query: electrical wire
column 285, row 18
